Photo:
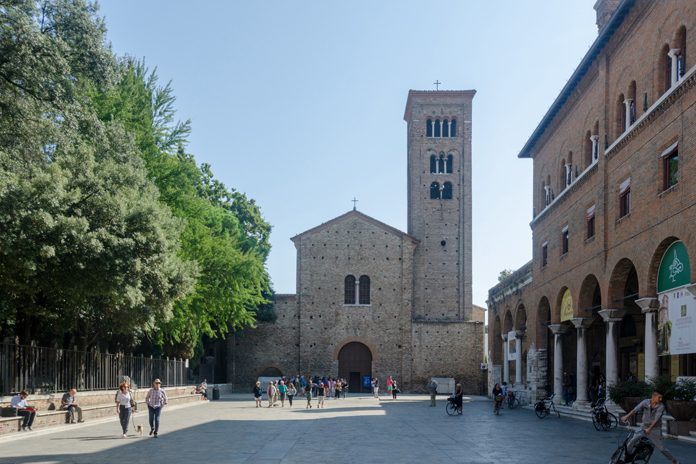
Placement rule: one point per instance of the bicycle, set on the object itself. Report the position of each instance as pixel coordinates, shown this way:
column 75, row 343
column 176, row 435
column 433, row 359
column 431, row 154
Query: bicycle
column 513, row 400
column 545, row 406
column 641, row 455
column 497, row 404
column 452, row 407
column 602, row 419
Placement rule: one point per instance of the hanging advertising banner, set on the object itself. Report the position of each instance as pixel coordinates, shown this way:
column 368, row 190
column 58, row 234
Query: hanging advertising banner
column 676, row 327
column 566, row 306
column 512, row 345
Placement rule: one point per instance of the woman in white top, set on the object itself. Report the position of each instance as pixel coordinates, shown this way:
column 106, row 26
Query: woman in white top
column 123, row 406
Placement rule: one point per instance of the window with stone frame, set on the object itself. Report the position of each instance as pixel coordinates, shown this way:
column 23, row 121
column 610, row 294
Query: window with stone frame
column 364, row 290
column 670, row 167
column 349, row 293
column 449, row 164
column 590, row 222
column 544, row 254
column 438, row 128
column 564, row 241
column 433, row 164
column 453, row 128
column 625, row 198
column 429, row 128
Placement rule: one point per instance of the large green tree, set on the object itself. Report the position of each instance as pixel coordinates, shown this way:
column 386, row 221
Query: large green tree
column 104, row 215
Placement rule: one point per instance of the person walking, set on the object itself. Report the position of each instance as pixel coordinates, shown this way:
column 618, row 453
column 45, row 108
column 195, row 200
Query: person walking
column 156, row 399
column 271, row 392
column 432, row 389
column 652, row 410
column 123, row 406
column 394, row 389
column 308, row 395
column 257, row 394
column 321, row 390
column 292, row 391
column 389, row 384
column 375, row 387
column 338, row 388
column 19, row 403
column 282, row 392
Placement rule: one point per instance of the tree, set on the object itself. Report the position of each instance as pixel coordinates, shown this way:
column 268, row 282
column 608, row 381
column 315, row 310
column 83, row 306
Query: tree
column 504, row 274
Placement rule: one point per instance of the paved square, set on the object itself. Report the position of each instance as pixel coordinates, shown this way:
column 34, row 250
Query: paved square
column 356, row 430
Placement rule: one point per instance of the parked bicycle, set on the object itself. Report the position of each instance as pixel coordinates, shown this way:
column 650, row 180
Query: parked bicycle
column 641, row 454
column 513, row 399
column 452, row 407
column 602, row 419
column 545, row 406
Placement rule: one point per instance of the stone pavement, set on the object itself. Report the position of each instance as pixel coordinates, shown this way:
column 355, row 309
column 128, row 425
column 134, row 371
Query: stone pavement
column 356, row 430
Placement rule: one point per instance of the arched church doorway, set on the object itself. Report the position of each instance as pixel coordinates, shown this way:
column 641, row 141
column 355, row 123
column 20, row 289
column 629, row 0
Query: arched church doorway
column 355, row 362
column 271, row 372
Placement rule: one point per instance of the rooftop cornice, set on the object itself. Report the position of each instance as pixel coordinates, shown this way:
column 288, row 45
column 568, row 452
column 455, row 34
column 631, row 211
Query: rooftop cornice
column 445, row 95
column 580, row 72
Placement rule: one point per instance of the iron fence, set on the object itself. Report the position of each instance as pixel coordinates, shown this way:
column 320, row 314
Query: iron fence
column 47, row 370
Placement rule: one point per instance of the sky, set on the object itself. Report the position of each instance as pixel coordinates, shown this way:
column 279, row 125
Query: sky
column 299, row 104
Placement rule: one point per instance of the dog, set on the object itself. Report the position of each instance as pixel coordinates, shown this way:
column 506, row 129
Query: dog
column 139, row 429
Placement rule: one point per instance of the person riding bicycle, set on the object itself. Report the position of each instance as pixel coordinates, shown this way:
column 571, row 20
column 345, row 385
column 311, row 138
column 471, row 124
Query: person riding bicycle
column 458, row 396
column 498, row 395
column 652, row 409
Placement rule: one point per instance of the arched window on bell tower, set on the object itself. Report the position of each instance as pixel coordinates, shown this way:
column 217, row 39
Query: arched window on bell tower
column 438, row 129
column 433, row 164
column 450, row 162
column 453, row 128
column 441, row 163
column 447, row 191
column 445, row 128
column 435, row 191
column 429, row 128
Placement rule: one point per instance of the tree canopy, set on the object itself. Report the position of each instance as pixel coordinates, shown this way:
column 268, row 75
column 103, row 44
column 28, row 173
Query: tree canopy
column 110, row 233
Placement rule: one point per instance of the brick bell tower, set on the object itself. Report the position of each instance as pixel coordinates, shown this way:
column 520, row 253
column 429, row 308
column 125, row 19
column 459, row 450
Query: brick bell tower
column 439, row 201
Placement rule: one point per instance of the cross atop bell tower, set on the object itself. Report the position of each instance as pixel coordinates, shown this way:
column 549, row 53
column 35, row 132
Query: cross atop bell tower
column 439, row 201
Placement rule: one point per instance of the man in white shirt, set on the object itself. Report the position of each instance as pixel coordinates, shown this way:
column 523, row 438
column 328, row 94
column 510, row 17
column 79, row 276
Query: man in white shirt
column 19, row 402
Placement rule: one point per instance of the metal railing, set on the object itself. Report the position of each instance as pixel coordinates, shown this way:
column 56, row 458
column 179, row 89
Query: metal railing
column 47, row 370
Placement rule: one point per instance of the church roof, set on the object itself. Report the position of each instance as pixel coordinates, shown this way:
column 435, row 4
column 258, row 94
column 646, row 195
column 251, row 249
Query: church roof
column 356, row 214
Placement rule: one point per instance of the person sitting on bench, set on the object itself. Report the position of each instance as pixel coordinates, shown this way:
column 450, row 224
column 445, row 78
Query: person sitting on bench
column 69, row 404
column 19, row 402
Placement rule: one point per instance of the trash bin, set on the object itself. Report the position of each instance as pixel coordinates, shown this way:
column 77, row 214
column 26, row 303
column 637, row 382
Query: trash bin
column 216, row 393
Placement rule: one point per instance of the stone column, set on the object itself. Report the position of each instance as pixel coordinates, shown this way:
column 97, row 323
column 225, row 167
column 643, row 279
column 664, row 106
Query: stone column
column 594, row 139
column 649, row 307
column 558, row 330
column 581, row 324
column 611, row 317
column 518, row 362
column 673, row 54
column 506, row 364
column 627, row 114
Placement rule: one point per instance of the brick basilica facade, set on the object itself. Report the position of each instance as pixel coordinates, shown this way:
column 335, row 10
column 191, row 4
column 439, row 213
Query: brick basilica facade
column 614, row 215
column 373, row 301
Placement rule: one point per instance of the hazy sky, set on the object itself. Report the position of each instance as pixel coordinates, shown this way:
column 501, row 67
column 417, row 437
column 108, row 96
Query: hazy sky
column 300, row 104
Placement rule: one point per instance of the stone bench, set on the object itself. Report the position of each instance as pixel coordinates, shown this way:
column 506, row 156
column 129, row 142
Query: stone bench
column 53, row 417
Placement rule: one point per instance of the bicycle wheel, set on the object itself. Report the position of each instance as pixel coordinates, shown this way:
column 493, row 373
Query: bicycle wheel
column 515, row 403
column 617, row 456
column 540, row 410
column 610, row 422
column 597, row 424
column 451, row 408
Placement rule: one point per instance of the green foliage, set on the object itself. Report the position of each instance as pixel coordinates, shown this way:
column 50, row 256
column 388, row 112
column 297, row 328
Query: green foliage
column 504, row 274
column 104, row 216
column 628, row 389
column 683, row 390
